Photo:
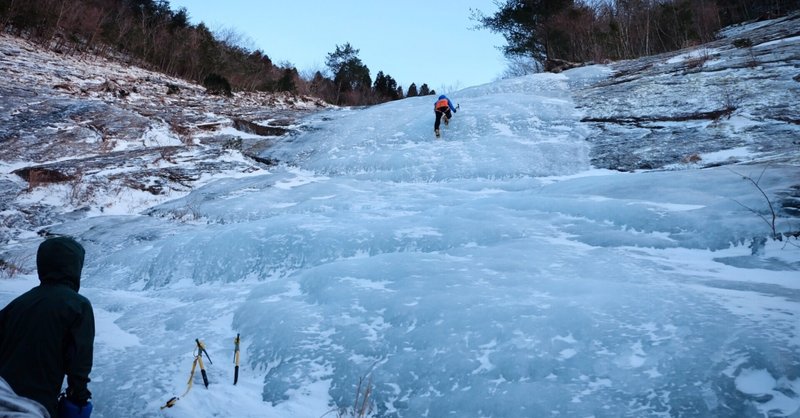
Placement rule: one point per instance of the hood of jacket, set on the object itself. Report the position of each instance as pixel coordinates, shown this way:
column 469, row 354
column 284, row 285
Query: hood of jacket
column 442, row 97
column 60, row 261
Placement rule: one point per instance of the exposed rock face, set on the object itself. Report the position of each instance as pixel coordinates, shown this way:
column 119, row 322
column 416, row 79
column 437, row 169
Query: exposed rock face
column 734, row 93
column 256, row 129
column 98, row 129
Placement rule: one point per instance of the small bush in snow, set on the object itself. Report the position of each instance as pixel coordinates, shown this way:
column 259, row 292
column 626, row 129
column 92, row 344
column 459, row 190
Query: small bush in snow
column 10, row 268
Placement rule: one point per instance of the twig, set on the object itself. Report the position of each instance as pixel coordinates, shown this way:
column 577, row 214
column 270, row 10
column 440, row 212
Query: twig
column 364, row 404
column 358, row 393
column 771, row 224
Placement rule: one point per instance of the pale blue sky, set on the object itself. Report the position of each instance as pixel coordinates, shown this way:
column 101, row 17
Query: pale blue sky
column 412, row 40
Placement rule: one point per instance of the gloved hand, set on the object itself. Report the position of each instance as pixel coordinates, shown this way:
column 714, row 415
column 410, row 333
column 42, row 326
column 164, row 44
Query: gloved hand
column 68, row 409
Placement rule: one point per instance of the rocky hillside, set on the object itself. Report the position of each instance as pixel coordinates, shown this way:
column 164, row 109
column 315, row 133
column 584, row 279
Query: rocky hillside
column 93, row 130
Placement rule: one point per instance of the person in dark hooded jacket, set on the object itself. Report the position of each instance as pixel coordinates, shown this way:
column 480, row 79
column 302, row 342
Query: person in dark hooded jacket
column 48, row 332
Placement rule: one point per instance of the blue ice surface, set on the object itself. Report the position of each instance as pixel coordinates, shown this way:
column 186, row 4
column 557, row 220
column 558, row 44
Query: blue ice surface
column 490, row 273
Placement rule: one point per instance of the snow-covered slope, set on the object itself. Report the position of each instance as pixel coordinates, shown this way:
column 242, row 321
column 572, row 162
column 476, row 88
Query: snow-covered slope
column 497, row 272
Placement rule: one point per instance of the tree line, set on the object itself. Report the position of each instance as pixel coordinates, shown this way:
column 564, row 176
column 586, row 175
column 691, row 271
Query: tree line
column 151, row 34
column 352, row 83
column 551, row 31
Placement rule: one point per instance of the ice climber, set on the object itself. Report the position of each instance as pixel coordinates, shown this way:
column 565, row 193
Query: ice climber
column 46, row 333
column 442, row 108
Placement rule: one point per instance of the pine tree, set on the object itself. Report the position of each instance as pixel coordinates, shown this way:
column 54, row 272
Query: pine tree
column 391, row 88
column 286, row 82
column 380, row 84
column 350, row 74
column 424, row 90
column 412, row 90
column 522, row 23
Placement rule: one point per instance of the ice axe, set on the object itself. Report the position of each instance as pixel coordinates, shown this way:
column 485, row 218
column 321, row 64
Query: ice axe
column 236, row 359
column 201, row 349
column 198, row 359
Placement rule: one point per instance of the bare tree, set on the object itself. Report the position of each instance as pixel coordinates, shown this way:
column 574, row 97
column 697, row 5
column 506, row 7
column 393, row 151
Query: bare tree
column 519, row 65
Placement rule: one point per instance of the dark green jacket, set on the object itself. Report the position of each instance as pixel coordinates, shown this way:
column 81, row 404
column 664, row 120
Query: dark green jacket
column 48, row 332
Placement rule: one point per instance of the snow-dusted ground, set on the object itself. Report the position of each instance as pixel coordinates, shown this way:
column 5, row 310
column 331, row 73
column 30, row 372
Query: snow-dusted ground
column 493, row 273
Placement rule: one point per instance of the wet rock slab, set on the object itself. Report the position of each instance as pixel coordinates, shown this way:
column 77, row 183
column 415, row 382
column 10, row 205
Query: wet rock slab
column 729, row 96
